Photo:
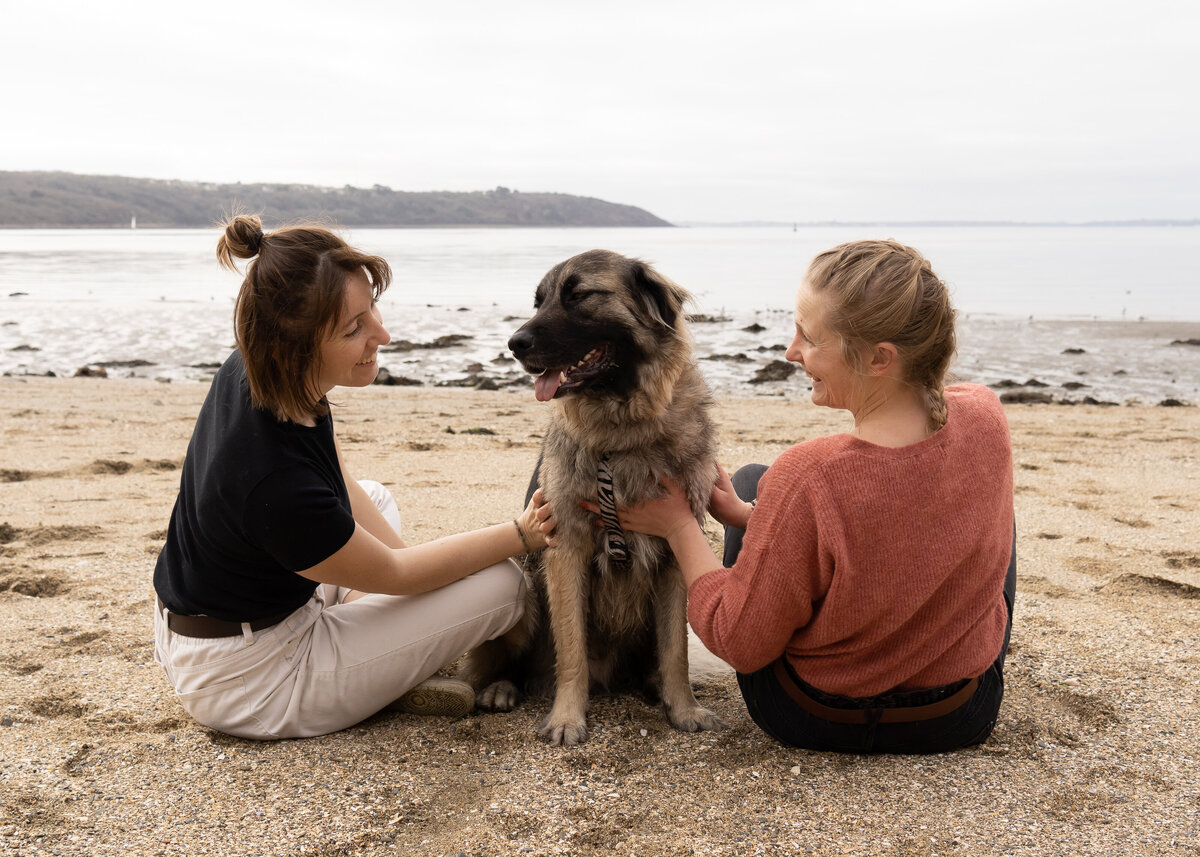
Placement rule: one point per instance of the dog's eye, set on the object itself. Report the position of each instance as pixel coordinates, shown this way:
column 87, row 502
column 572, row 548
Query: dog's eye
column 574, row 296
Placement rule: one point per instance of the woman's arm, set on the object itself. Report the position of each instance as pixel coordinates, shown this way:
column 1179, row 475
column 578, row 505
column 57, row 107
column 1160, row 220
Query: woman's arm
column 367, row 564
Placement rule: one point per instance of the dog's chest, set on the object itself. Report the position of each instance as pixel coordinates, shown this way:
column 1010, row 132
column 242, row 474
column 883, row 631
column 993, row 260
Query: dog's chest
column 621, row 596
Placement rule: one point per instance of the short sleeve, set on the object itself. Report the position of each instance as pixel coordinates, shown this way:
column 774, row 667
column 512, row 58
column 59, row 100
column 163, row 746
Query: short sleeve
column 298, row 518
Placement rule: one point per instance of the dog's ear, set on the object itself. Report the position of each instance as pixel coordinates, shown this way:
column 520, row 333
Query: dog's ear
column 662, row 299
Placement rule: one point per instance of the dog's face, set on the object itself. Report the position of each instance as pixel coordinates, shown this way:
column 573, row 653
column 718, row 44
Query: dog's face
column 599, row 316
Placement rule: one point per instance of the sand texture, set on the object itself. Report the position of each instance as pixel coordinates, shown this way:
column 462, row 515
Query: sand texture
column 1096, row 751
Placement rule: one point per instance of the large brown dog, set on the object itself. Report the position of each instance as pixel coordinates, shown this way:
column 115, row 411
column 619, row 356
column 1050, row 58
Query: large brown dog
column 610, row 347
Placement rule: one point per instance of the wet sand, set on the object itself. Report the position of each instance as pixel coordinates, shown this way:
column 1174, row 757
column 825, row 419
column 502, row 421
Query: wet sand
column 1095, row 751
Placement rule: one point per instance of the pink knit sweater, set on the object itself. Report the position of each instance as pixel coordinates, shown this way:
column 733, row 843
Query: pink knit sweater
column 874, row 569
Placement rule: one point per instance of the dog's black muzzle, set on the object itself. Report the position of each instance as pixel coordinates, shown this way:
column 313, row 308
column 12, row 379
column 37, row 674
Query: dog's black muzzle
column 521, row 343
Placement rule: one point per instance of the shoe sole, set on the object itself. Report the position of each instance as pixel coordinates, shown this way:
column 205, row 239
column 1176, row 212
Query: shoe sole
column 437, row 697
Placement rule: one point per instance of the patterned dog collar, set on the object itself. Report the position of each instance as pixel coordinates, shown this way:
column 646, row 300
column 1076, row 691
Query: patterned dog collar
column 614, row 536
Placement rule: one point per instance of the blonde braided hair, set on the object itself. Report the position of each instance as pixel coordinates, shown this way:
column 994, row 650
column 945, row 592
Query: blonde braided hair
column 884, row 291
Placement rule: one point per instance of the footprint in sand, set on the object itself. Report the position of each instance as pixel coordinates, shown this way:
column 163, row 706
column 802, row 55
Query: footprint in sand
column 21, row 666
column 1148, row 584
column 1092, row 566
column 23, row 580
column 81, row 642
column 1090, row 710
column 1096, row 791
column 1028, row 584
column 1181, row 559
column 99, row 467
column 104, row 466
column 57, row 705
column 34, row 536
column 35, row 808
column 117, row 467
column 1048, row 713
column 1137, row 523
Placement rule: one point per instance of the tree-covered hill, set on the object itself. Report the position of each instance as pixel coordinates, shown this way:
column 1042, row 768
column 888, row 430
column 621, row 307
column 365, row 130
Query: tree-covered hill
column 56, row 199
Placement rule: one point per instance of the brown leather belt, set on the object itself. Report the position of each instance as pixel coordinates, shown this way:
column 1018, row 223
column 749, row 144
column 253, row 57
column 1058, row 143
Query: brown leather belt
column 208, row 628
column 862, row 716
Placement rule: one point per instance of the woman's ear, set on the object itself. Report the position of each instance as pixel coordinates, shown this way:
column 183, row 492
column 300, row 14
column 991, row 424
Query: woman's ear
column 884, row 357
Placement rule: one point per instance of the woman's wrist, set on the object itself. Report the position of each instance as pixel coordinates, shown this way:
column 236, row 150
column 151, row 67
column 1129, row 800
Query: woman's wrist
column 680, row 528
column 521, row 535
column 693, row 552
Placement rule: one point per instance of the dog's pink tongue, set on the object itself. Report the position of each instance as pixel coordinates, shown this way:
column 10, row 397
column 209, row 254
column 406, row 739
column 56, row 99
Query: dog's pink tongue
column 546, row 385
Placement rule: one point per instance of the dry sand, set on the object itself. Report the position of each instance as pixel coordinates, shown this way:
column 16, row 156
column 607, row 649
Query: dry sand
column 1095, row 752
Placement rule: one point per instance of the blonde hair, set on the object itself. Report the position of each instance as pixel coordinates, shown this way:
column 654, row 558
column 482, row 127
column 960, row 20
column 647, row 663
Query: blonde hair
column 884, row 291
column 290, row 299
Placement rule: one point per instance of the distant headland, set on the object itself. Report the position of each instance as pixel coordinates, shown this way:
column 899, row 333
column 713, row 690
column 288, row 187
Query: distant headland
column 69, row 200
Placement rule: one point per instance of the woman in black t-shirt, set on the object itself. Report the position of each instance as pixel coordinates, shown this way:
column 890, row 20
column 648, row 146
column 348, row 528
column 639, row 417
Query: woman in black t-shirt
column 288, row 603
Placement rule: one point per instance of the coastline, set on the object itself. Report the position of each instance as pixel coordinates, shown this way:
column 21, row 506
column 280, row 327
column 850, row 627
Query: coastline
column 1061, row 361
column 1094, row 752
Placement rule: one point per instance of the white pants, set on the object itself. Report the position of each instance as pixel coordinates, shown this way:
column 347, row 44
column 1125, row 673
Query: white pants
column 329, row 665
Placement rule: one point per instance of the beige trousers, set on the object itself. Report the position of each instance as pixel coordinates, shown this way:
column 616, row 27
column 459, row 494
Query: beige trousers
column 329, row 665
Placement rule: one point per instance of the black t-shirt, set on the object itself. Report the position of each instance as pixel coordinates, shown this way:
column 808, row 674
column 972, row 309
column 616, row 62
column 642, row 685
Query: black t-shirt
column 259, row 500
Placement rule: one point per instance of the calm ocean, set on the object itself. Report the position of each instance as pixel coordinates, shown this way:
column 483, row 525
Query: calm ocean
column 75, row 297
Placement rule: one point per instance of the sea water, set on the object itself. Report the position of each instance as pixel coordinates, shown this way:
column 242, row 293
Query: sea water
column 1117, row 297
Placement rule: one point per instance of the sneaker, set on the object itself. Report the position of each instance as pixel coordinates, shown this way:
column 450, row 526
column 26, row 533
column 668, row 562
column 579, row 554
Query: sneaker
column 437, row 696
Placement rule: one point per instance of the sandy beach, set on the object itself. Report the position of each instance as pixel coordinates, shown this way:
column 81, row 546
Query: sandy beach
column 1095, row 751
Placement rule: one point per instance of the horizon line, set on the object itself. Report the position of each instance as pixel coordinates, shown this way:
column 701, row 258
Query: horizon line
column 809, row 224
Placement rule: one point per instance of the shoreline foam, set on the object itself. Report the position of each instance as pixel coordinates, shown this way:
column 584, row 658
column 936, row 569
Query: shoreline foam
column 1070, row 361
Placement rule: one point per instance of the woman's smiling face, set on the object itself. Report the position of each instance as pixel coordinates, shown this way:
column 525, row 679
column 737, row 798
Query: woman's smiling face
column 348, row 353
column 818, row 351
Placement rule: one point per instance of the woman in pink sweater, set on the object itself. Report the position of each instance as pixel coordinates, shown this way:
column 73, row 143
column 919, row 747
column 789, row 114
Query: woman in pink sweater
column 866, row 593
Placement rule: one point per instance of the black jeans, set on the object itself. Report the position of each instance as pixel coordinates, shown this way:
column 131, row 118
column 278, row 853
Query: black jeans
column 779, row 716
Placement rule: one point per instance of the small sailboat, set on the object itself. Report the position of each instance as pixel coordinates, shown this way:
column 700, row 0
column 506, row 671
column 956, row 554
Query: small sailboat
column 133, row 222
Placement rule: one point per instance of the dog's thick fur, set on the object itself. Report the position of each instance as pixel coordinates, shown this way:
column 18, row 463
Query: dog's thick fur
column 629, row 389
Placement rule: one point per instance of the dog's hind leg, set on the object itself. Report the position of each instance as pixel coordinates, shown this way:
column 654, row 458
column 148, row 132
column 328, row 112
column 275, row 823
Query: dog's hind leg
column 566, row 583
column 491, row 667
column 679, row 702
column 487, row 669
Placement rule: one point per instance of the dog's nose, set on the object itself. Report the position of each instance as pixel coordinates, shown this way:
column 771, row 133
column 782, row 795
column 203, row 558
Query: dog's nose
column 520, row 342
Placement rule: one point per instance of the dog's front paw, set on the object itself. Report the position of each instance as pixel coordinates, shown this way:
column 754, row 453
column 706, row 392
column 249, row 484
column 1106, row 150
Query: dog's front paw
column 563, row 732
column 694, row 718
column 498, row 696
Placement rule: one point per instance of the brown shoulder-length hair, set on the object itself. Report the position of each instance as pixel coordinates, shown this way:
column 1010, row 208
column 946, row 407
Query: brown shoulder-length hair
column 885, row 291
column 290, row 300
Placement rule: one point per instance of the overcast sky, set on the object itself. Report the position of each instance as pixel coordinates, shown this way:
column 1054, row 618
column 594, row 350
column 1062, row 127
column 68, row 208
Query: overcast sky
column 696, row 111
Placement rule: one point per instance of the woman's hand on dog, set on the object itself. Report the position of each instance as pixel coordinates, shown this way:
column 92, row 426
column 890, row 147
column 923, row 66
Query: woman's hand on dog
column 667, row 514
column 659, row 517
column 537, row 522
column 670, row 517
column 725, row 505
